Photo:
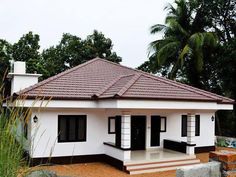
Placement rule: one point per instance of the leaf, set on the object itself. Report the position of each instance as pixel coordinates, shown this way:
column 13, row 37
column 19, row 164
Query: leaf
column 167, row 51
column 157, row 28
column 186, row 50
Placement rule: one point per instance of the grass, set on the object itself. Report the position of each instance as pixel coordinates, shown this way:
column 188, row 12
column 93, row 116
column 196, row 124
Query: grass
column 12, row 140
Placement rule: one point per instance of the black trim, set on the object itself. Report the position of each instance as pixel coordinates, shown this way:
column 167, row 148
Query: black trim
column 78, row 159
column 204, row 149
column 113, row 145
column 76, row 117
column 190, row 144
column 109, row 125
column 179, row 146
column 118, row 131
column 184, row 125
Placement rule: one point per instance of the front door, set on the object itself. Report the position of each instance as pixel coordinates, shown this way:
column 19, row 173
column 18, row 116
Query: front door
column 138, row 132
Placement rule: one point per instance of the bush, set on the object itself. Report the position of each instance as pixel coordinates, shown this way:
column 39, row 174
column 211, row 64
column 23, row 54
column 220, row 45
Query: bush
column 11, row 142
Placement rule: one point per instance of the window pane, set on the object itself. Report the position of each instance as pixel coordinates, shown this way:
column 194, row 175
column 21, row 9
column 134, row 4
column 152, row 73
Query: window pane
column 184, row 125
column 111, row 125
column 72, row 128
column 197, row 125
column 82, row 128
column 62, row 129
column 163, row 124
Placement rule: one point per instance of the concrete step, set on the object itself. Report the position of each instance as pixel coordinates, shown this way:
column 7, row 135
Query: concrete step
column 160, row 166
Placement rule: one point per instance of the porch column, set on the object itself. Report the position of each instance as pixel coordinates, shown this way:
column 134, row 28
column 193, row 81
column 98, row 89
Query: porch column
column 125, row 131
column 190, row 133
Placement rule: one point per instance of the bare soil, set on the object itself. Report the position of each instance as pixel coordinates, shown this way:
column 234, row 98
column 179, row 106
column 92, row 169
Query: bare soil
column 105, row 170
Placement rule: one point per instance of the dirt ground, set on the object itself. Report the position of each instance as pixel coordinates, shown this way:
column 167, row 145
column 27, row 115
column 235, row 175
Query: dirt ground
column 105, row 170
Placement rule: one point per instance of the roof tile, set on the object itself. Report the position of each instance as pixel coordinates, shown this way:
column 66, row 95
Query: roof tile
column 103, row 79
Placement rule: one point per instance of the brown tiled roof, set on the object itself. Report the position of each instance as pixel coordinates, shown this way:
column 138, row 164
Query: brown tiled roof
column 102, row 79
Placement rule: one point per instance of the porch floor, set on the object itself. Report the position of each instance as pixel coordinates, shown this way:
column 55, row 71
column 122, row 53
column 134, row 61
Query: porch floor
column 156, row 155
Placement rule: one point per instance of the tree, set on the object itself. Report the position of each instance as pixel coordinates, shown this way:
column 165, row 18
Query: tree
column 72, row 51
column 5, row 56
column 27, row 49
column 184, row 44
column 198, row 48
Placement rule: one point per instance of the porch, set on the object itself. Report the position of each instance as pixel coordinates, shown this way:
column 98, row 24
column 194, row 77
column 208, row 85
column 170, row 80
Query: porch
column 151, row 160
column 151, row 142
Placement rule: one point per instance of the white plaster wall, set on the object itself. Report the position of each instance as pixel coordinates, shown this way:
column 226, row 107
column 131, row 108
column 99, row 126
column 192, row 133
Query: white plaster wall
column 173, row 129
column 44, row 134
column 207, row 129
column 20, row 82
column 117, row 153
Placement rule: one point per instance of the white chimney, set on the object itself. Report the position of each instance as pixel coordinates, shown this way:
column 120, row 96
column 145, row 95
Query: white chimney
column 20, row 79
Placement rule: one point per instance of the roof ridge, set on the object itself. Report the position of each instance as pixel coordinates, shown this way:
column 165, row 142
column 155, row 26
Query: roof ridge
column 56, row 76
column 109, row 85
column 183, row 86
column 169, row 81
column 129, row 84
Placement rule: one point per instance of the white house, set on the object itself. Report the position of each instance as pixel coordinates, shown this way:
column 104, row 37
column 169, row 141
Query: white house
column 102, row 111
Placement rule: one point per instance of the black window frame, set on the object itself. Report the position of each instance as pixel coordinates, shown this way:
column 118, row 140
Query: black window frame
column 76, row 117
column 109, row 125
column 184, row 124
column 197, row 125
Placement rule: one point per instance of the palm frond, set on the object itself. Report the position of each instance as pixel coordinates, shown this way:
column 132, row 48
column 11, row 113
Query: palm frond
column 196, row 41
column 210, row 39
column 175, row 26
column 167, row 51
column 198, row 60
column 186, row 51
column 157, row 28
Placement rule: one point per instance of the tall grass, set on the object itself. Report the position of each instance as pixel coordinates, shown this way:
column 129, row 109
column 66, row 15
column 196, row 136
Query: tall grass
column 11, row 140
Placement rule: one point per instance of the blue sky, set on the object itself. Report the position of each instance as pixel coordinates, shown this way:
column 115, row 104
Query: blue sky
column 127, row 22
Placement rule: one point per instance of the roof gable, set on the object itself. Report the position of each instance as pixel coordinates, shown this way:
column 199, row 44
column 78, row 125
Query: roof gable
column 100, row 79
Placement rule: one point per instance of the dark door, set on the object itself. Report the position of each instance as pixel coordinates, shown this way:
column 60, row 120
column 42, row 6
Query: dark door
column 118, row 131
column 155, row 130
column 138, row 132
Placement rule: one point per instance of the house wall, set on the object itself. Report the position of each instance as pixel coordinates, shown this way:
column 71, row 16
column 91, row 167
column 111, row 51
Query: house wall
column 173, row 129
column 44, row 132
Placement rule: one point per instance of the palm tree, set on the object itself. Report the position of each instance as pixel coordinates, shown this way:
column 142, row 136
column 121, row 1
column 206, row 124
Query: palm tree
column 184, row 42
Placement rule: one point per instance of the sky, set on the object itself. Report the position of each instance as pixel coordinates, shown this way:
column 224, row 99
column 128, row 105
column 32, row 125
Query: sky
column 125, row 22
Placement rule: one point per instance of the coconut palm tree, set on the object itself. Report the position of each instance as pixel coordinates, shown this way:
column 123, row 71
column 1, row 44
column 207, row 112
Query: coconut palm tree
column 184, row 42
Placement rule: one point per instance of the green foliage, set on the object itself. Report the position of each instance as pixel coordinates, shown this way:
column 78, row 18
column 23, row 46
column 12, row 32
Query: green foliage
column 72, row 51
column 205, row 56
column 27, row 49
column 221, row 142
column 181, row 52
column 11, row 142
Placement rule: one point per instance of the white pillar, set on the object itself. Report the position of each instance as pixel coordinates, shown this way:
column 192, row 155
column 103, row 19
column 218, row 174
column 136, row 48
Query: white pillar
column 190, row 134
column 126, row 131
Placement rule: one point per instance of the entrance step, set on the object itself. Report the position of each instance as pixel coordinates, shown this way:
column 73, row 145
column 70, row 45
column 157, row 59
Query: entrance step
column 151, row 167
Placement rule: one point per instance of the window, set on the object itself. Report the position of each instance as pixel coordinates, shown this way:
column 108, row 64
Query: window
column 184, row 125
column 197, row 125
column 111, row 125
column 163, row 124
column 72, row 128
